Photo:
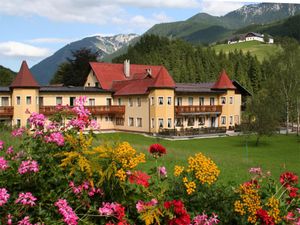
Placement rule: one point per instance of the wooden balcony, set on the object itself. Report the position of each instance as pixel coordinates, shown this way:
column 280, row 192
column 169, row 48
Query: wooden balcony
column 198, row 109
column 6, row 110
column 95, row 110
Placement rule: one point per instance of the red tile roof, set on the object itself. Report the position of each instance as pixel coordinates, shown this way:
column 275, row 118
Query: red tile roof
column 223, row 82
column 112, row 77
column 24, row 78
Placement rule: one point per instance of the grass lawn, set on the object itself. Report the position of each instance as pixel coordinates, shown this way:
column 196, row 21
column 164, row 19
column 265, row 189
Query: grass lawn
column 277, row 154
column 259, row 49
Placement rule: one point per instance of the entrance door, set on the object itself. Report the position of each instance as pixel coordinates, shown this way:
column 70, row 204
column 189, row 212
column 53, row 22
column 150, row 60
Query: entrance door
column 213, row 121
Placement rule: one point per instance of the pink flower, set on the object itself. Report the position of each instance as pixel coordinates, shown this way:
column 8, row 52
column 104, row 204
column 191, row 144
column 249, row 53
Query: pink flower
column 28, row 166
column 10, row 150
column 26, row 199
column 205, row 220
column 4, row 196
column 37, row 120
column 9, row 219
column 55, row 137
column 3, row 164
column 85, row 186
column 141, row 206
column 67, row 212
column 1, row 144
column 94, row 125
column 255, row 170
column 25, row 221
column 18, row 132
column 107, row 209
column 162, row 171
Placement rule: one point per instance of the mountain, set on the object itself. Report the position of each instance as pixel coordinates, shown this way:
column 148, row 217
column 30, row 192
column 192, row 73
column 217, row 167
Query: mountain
column 6, row 76
column 205, row 28
column 44, row 70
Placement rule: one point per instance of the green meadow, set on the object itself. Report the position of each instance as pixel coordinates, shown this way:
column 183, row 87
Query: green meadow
column 261, row 50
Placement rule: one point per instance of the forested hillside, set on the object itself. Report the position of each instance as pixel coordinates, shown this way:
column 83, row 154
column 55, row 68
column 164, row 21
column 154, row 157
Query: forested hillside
column 6, row 76
column 187, row 63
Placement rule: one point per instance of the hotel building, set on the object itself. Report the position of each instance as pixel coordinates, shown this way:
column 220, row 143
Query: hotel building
column 128, row 97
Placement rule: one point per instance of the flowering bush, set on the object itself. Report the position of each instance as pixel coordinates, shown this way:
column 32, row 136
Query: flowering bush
column 56, row 175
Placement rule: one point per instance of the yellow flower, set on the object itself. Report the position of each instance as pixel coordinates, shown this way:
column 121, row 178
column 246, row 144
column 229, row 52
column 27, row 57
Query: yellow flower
column 204, row 169
column 178, row 170
column 121, row 175
column 189, row 185
column 274, row 211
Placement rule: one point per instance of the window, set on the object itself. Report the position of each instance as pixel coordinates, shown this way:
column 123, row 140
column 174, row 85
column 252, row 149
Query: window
column 139, row 122
column 230, row 100
column 160, row 100
column 91, row 101
column 191, row 121
column 28, row 100
column 169, row 101
column 179, row 122
column 160, row 123
column 108, row 118
column 152, row 101
column 201, row 121
column 231, row 120
column 18, row 100
column 190, row 100
column 169, row 122
column 72, row 101
column 212, row 101
column 58, row 100
column 41, row 101
column 131, row 122
column 130, row 102
column 89, row 84
column 96, row 84
column 223, row 100
column 201, row 101
column 4, row 101
column 119, row 101
column 18, row 123
column 179, row 101
column 152, row 123
column 223, row 120
column 108, row 101
column 119, row 121
column 139, row 102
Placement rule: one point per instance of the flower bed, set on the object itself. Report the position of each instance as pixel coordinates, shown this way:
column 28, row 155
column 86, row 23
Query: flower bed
column 57, row 176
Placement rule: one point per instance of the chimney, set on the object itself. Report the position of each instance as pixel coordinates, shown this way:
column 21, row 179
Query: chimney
column 127, row 68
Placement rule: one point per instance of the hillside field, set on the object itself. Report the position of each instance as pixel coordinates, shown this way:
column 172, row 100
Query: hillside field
column 261, row 50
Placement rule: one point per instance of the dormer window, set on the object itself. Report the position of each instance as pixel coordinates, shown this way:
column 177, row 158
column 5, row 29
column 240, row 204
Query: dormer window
column 96, row 84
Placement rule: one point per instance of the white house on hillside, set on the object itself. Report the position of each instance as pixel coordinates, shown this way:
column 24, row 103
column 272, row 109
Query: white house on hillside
column 251, row 36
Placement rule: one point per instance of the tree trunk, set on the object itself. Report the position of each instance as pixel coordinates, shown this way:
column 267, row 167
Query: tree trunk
column 287, row 117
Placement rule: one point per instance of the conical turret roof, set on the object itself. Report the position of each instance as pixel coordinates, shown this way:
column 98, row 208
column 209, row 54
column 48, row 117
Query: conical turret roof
column 223, row 82
column 24, row 78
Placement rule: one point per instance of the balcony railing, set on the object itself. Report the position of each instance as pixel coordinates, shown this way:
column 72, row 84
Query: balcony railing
column 199, row 109
column 6, row 110
column 95, row 110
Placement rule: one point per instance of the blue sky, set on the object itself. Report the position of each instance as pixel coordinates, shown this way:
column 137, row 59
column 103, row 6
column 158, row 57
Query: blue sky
column 35, row 29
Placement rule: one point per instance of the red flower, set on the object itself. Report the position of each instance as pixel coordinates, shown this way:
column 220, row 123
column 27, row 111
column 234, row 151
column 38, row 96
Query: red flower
column 140, row 178
column 293, row 191
column 181, row 217
column 157, row 150
column 262, row 215
column 287, row 179
column 252, row 182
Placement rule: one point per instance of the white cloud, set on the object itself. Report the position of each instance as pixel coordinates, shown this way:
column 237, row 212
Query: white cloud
column 50, row 40
column 219, row 8
column 161, row 3
column 18, row 49
column 259, row 1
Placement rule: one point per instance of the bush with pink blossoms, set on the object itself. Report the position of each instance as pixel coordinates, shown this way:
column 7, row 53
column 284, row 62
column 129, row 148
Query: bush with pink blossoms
column 28, row 167
column 69, row 217
column 26, row 199
column 4, row 196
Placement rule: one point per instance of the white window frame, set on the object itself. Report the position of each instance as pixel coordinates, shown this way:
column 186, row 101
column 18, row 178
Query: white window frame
column 231, row 100
column 160, row 100
column 152, row 123
column 119, row 101
column 223, row 120
column 130, row 119
column 169, row 122
column 137, row 122
column 30, row 100
column 18, row 100
column 178, row 101
column 92, row 101
column 210, row 101
column 138, row 102
column 190, row 101
column 200, row 100
column 231, row 122
column 130, row 102
column 160, row 119
column 169, row 101
column 223, row 98
column 152, row 101
column 58, row 97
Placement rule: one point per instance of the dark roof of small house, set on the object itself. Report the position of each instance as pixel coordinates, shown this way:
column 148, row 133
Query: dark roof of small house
column 255, row 34
column 4, row 89
column 196, row 88
column 71, row 89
